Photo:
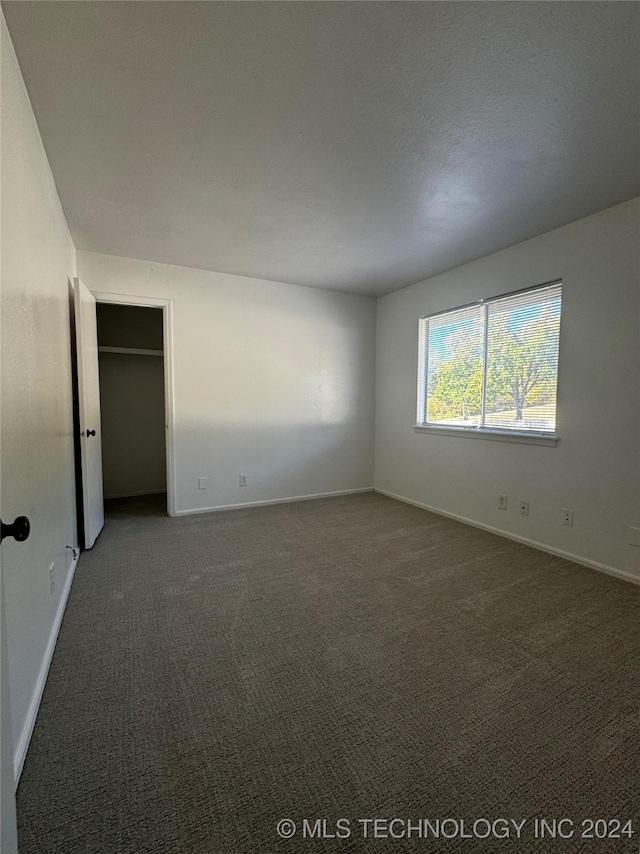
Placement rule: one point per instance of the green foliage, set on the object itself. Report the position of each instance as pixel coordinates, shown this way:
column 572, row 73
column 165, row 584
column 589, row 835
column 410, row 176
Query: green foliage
column 521, row 363
column 455, row 387
column 521, row 369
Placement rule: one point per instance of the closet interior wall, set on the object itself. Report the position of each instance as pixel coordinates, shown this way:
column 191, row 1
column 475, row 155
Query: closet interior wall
column 130, row 349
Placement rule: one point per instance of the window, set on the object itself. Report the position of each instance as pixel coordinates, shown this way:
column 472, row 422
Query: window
column 492, row 365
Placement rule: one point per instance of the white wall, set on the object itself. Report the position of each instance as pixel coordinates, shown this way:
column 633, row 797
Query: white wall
column 271, row 380
column 594, row 469
column 38, row 259
column 133, row 417
column 132, row 404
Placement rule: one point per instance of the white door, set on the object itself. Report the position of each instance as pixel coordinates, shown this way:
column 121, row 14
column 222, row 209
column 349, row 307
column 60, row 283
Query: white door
column 8, row 831
column 89, row 405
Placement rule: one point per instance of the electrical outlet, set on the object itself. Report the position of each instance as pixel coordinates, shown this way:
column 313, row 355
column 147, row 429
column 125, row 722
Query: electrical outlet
column 52, row 578
column 202, row 483
column 502, row 502
column 567, row 517
column 242, row 479
column 524, row 508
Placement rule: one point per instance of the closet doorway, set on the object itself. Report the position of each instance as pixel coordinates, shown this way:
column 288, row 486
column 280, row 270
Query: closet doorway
column 133, row 357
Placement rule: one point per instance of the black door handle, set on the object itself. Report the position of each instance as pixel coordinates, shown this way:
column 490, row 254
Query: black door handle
column 91, row 432
column 19, row 529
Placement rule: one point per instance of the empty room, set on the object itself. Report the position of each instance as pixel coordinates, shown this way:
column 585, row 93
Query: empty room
column 320, row 427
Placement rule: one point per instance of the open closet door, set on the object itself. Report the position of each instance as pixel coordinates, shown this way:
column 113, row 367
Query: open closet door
column 8, row 828
column 89, row 412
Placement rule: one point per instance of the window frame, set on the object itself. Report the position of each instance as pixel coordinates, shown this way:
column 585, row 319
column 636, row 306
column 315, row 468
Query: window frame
column 480, row 431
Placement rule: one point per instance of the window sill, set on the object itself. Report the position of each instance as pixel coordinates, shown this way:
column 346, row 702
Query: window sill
column 520, row 438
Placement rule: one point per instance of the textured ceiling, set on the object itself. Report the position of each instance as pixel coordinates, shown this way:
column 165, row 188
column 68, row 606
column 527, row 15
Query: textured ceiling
column 354, row 146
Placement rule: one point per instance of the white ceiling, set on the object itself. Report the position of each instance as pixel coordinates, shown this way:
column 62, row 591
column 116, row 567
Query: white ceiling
column 354, row 146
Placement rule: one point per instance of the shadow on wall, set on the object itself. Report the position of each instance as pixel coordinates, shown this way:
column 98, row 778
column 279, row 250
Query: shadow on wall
column 279, row 462
column 133, row 424
column 289, row 364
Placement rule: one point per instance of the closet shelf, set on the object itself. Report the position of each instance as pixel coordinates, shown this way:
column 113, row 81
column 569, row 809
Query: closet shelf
column 132, row 351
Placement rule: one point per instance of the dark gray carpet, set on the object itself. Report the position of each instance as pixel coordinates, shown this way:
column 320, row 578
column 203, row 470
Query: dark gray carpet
column 345, row 658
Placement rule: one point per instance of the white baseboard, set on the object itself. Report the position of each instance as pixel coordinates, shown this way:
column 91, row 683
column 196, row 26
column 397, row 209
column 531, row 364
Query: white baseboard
column 272, row 501
column 600, row 567
column 136, row 494
column 34, row 705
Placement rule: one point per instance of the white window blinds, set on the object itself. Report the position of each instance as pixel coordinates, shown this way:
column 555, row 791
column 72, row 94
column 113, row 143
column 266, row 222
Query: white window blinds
column 493, row 364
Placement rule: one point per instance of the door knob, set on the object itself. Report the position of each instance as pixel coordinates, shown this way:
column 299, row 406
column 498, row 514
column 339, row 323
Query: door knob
column 19, row 529
column 91, row 432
